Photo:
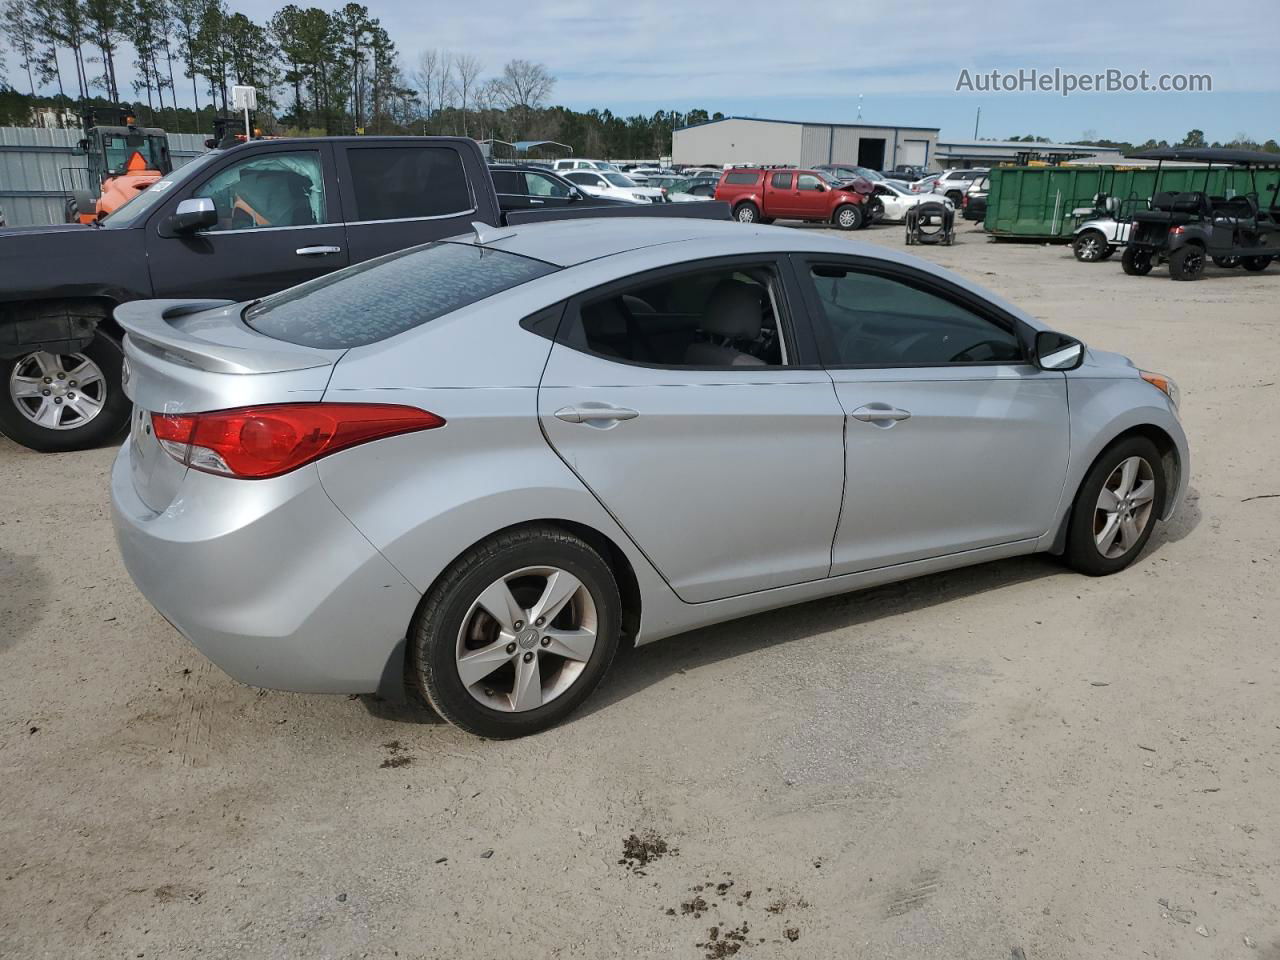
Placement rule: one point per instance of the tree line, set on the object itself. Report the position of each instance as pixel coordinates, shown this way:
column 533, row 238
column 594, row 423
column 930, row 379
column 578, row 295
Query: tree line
column 316, row 72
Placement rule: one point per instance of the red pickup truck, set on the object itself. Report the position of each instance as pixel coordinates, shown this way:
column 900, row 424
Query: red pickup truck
column 763, row 194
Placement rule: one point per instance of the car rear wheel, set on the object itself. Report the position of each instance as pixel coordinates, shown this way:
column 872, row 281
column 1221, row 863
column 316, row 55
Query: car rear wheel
column 1227, row 263
column 1186, row 263
column 1136, row 263
column 1116, row 508
column 1254, row 264
column 956, row 198
column 848, row 217
column 746, row 213
column 54, row 402
column 1091, row 246
column 517, row 633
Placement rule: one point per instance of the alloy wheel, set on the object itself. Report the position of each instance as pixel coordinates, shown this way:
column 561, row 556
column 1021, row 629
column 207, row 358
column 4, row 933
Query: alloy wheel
column 526, row 639
column 58, row 391
column 1124, row 508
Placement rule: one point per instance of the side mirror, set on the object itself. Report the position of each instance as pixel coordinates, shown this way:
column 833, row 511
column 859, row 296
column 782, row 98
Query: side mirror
column 198, row 213
column 1057, row 351
column 575, row 193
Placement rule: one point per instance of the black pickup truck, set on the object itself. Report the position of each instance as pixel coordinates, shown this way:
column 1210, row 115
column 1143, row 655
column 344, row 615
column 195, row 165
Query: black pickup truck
column 235, row 223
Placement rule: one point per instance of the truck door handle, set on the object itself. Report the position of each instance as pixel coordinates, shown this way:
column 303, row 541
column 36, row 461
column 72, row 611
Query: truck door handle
column 317, row 251
column 880, row 414
column 592, row 412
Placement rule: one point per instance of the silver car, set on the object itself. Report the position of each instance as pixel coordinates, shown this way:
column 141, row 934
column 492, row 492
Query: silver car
column 473, row 468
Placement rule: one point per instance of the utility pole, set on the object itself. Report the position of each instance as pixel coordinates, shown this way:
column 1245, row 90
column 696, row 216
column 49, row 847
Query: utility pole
column 975, row 123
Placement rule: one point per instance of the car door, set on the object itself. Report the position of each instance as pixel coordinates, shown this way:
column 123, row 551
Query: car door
column 811, row 199
column 397, row 195
column 780, row 195
column 894, row 204
column 278, row 225
column 546, row 191
column 954, row 441
column 726, row 472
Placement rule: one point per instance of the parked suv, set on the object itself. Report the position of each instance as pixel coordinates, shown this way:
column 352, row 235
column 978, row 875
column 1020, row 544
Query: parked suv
column 762, row 194
column 953, row 183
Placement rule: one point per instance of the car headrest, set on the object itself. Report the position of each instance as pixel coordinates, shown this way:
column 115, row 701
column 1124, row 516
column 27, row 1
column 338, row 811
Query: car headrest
column 733, row 311
column 605, row 320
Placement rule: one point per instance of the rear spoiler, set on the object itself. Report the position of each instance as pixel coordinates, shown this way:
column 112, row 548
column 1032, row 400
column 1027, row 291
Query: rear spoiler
column 703, row 210
column 160, row 328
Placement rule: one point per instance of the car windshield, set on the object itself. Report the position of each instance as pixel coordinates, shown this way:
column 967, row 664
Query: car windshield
column 620, row 180
column 136, row 208
column 608, row 167
column 378, row 299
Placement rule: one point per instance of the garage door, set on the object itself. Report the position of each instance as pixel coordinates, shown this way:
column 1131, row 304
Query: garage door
column 913, row 152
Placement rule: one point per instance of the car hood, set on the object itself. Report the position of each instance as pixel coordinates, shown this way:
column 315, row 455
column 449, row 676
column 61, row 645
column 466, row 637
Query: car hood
column 74, row 261
column 46, row 228
column 1105, row 362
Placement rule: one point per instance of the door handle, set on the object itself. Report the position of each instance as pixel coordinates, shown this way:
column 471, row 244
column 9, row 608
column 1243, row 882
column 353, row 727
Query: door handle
column 590, row 412
column 317, row 251
column 880, row 413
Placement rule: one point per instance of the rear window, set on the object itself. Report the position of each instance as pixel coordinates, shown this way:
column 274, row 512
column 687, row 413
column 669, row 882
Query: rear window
column 381, row 298
column 741, row 177
column 396, row 183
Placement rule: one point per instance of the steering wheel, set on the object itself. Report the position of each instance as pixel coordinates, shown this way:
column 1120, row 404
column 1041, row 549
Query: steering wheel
column 993, row 348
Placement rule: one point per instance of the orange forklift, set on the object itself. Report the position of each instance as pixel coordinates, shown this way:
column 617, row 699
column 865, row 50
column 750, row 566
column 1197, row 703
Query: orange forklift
column 123, row 160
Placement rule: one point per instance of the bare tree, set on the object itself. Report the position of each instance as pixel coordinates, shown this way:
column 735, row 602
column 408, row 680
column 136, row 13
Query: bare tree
column 466, row 70
column 524, row 87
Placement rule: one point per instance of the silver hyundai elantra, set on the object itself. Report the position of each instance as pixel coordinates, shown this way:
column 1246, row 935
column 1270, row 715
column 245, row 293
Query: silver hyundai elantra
column 472, row 468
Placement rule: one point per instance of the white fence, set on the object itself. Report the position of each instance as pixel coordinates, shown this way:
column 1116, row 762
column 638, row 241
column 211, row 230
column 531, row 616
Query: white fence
column 37, row 164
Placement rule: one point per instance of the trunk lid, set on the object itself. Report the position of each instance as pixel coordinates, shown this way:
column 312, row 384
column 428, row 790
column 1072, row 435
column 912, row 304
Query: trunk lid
column 193, row 356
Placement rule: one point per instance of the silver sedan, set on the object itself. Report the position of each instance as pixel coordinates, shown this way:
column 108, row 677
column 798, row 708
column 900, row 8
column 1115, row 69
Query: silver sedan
column 473, row 468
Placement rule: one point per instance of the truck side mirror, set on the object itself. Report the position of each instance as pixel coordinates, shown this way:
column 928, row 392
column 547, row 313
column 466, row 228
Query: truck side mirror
column 198, row 213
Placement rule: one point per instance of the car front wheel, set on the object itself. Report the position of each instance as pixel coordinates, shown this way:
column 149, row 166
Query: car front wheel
column 1116, row 508
column 848, row 217
column 1090, row 246
column 54, row 402
column 517, row 633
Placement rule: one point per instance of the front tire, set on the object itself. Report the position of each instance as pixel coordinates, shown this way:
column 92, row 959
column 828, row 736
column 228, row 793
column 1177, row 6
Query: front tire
column 53, row 403
column 1136, row 263
column 848, row 217
column 1186, row 263
column 517, row 633
column 1254, row 264
column 1116, row 508
column 746, row 213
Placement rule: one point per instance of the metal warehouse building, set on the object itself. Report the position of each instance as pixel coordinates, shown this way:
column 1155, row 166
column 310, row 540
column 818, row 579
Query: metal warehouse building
column 752, row 140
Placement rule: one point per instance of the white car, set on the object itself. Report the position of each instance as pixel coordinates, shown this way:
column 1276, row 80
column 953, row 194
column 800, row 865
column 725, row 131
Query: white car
column 897, row 199
column 617, row 186
column 576, row 163
column 953, row 183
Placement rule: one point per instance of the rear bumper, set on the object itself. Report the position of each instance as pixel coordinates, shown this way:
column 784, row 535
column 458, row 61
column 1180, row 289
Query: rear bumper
column 268, row 580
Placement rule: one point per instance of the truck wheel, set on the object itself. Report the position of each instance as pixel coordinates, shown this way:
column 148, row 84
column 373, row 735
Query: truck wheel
column 848, row 217
column 1090, row 246
column 1136, row 263
column 1186, row 263
column 746, row 213
column 57, row 402
column 1226, row 263
column 1255, row 264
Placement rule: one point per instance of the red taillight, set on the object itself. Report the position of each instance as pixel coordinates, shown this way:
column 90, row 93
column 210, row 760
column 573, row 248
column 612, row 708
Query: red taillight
column 1174, row 231
column 964, row 201
column 259, row 442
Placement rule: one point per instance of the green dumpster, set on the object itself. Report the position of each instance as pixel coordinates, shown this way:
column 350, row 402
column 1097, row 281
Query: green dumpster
column 1036, row 203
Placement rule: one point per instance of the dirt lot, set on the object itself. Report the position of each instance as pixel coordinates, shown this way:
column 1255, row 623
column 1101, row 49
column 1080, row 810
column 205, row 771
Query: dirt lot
column 1005, row 756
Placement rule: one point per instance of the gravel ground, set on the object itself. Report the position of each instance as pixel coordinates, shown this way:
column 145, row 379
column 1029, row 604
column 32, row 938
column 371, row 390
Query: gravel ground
column 1006, row 756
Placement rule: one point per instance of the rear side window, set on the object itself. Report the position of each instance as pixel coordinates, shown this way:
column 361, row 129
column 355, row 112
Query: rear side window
column 743, row 178
column 381, row 298
column 781, row 181
column 397, row 183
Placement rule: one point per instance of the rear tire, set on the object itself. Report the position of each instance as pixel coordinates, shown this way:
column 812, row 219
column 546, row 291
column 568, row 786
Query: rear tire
column 1090, row 246
column 1186, row 263
column 848, row 217
column 746, row 213
column 1136, row 263
column 956, row 198
column 20, row 409
column 519, row 569
column 1254, row 264
column 1227, row 263
column 1090, row 527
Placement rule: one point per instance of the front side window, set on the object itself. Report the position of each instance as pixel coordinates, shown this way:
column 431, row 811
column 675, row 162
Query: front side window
column 808, row 181
column 620, row 180
column 371, row 301
column 400, row 183
column 540, row 186
column 270, row 190
column 880, row 321
column 719, row 317
column 584, row 178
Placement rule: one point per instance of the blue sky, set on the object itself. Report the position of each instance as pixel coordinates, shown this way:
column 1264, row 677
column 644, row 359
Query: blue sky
column 806, row 60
